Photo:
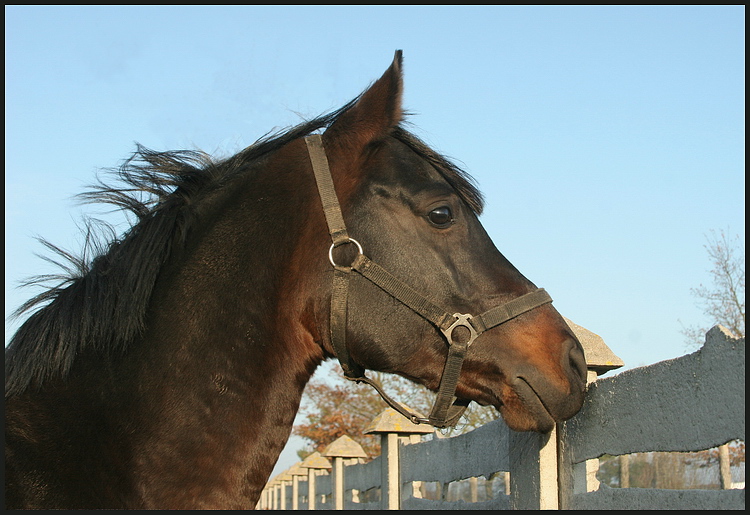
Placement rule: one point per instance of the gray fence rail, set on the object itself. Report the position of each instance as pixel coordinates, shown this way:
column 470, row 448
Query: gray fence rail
column 691, row 403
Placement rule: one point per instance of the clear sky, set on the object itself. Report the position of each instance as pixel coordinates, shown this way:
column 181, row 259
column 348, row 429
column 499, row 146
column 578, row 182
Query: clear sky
column 608, row 141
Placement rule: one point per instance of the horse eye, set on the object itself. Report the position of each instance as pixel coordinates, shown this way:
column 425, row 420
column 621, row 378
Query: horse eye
column 441, row 217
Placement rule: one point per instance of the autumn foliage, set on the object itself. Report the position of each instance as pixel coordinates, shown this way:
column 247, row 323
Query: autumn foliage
column 332, row 411
column 333, row 406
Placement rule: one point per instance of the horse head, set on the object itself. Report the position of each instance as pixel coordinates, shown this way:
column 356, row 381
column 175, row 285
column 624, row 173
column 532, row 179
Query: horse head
column 416, row 215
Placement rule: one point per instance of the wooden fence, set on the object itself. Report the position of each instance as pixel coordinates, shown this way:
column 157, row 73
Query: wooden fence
column 690, row 403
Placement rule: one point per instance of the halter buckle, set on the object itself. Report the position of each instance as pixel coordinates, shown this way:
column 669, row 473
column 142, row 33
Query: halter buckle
column 344, row 242
column 462, row 320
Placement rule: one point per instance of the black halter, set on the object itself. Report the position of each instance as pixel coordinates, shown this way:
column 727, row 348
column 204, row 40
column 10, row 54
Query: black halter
column 447, row 409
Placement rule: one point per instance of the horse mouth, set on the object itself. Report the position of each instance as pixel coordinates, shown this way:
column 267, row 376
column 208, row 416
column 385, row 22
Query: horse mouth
column 528, row 412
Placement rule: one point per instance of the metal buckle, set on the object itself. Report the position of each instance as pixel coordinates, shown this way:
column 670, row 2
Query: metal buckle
column 462, row 320
column 334, row 245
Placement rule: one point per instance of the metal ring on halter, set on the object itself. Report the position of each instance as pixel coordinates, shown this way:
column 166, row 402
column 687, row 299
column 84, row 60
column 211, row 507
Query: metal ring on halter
column 334, row 245
column 461, row 321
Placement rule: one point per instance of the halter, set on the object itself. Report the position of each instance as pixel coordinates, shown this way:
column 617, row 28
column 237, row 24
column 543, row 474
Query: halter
column 447, row 409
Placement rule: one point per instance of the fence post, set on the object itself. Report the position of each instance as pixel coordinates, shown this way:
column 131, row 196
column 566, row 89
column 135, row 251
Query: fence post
column 313, row 463
column 275, row 495
column 393, row 428
column 533, row 471
column 725, row 472
column 272, row 497
column 624, row 461
column 284, row 480
column 296, row 472
column 342, row 451
column 582, row 476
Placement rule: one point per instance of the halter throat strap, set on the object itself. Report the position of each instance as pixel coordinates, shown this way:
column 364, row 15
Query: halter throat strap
column 459, row 330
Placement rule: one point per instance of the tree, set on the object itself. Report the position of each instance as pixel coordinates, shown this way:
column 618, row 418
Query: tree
column 724, row 302
column 335, row 406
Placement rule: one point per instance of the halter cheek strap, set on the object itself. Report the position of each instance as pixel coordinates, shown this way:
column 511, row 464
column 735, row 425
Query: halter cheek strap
column 459, row 330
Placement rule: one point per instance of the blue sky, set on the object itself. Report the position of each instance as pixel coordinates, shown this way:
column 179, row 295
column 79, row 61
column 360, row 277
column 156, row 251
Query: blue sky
column 608, row 141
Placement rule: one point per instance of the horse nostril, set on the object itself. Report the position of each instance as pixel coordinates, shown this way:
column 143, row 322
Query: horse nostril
column 577, row 360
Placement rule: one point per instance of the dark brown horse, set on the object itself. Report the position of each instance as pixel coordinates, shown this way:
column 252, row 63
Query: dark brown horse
column 166, row 372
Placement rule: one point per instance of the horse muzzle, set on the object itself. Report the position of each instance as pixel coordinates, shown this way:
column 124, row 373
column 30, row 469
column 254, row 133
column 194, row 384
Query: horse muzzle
column 536, row 401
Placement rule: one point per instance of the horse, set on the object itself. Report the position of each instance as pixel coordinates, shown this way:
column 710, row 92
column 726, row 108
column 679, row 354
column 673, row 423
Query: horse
column 166, row 372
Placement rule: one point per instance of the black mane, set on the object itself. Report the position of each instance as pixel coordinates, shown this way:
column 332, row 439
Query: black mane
column 99, row 302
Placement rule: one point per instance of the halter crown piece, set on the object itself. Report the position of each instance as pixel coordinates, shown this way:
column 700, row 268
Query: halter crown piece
column 447, row 409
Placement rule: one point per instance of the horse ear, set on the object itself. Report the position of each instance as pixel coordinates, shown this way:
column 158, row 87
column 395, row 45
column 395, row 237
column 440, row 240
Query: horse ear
column 373, row 115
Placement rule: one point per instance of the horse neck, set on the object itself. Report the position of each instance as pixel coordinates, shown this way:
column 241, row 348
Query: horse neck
column 231, row 340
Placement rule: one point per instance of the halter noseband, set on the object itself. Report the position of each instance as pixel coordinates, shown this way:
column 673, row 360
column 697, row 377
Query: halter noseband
column 447, row 409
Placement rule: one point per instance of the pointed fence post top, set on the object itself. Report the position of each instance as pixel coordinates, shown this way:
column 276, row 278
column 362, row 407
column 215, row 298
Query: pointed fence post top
column 391, row 421
column 344, row 447
column 599, row 357
column 297, row 470
column 316, row 461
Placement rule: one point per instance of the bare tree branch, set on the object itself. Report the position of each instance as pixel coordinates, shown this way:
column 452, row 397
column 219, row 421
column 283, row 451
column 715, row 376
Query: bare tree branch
column 723, row 302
